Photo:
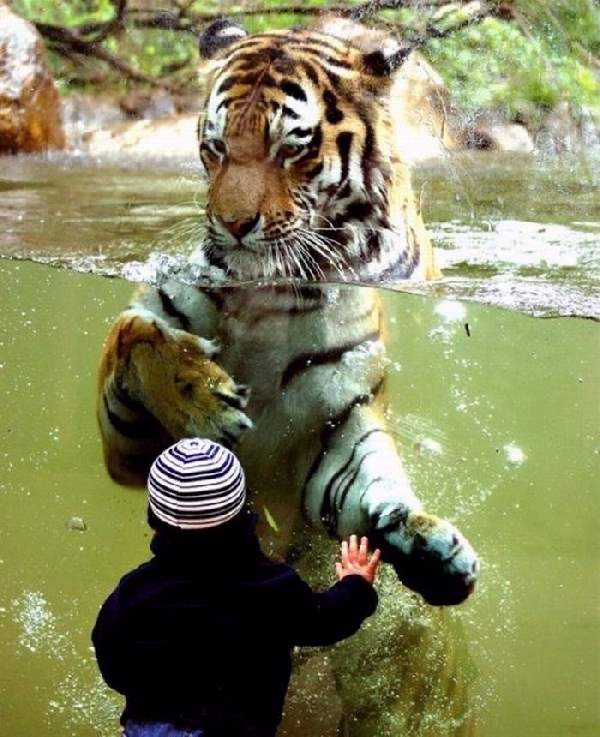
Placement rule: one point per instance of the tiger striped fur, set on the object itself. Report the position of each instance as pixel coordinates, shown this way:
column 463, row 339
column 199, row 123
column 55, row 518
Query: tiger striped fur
column 314, row 181
column 305, row 184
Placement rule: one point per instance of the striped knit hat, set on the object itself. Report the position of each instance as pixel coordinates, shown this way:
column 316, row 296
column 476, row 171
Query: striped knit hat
column 196, row 484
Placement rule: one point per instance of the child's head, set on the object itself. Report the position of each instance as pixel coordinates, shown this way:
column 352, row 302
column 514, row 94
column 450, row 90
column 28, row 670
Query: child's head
column 196, row 484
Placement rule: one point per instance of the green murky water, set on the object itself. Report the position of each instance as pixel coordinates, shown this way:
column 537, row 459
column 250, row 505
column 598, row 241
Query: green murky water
column 499, row 430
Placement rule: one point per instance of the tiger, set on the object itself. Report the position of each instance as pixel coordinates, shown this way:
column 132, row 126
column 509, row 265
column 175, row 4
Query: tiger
column 306, row 190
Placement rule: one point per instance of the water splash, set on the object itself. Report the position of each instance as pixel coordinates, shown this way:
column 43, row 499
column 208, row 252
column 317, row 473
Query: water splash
column 39, row 629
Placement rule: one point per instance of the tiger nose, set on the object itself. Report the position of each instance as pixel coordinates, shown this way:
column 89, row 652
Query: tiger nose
column 240, row 228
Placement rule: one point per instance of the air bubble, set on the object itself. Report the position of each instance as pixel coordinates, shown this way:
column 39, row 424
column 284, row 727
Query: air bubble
column 451, row 310
column 514, row 455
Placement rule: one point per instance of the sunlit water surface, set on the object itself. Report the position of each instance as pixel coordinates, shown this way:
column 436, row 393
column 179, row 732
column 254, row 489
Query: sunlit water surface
column 498, row 424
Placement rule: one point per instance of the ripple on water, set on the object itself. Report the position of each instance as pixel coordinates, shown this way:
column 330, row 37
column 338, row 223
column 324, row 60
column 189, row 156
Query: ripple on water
column 543, row 269
column 143, row 224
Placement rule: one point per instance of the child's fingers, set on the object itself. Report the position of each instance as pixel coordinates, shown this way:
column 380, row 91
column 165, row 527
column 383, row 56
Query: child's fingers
column 353, row 548
column 338, row 570
column 362, row 551
column 345, row 553
column 374, row 562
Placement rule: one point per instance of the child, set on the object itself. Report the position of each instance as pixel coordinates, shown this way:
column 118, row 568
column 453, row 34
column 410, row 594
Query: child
column 199, row 638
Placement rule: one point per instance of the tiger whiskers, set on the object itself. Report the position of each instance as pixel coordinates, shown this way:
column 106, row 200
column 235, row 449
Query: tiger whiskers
column 323, row 246
column 303, row 258
column 307, row 257
column 181, row 236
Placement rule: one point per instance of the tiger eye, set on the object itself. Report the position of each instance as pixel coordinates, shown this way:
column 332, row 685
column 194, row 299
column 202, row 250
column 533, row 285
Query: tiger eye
column 286, row 152
column 212, row 153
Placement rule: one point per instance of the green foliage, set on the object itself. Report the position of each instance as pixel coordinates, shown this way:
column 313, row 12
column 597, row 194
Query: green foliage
column 519, row 67
column 564, row 23
column 64, row 12
column 522, row 70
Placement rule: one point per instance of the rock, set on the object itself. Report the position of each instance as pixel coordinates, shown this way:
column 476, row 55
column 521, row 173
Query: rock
column 174, row 138
column 425, row 121
column 567, row 131
column 30, row 109
column 138, row 105
column 509, row 138
column 76, row 523
column 83, row 113
column 589, row 126
column 96, row 120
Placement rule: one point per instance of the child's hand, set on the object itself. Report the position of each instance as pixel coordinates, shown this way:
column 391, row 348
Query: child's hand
column 356, row 561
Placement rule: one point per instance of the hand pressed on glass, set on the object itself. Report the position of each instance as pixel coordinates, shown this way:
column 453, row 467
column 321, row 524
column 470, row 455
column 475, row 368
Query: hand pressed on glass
column 356, row 560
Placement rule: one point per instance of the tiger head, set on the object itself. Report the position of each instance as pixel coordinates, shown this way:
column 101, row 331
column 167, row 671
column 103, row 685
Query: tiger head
column 297, row 142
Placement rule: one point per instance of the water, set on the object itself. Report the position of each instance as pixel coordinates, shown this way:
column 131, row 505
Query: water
column 495, row 412
column 513, row 231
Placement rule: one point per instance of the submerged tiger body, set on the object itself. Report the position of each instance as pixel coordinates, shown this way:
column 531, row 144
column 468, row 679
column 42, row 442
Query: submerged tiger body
column 304, row 184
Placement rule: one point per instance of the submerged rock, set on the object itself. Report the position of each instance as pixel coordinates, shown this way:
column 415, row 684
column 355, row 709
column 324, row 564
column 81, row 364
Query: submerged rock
column 30, row 109
column 76, row 523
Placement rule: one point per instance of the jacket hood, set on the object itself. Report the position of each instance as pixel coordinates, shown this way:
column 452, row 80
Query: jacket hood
column 233, row 543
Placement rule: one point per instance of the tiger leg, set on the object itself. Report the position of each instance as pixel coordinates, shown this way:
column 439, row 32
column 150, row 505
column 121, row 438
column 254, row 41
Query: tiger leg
column 408, row 674
column 357, row 485
column 158, row 384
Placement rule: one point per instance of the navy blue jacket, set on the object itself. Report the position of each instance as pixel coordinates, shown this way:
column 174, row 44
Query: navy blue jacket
column 202, row 633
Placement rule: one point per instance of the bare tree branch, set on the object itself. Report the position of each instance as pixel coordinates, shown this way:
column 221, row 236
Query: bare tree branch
column 63, row 38
column 367, row 10
column 86, row 40
column 102, row 30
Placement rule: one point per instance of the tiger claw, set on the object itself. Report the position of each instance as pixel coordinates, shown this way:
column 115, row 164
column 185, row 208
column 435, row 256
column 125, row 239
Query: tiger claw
column 209, row 347
column 237, row 397
column 243, row 392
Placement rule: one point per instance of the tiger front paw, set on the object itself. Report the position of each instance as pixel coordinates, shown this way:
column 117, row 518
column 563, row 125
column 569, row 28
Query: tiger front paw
column 172, row 374
column 430, row 556
column 231, row 421
column 211, row 403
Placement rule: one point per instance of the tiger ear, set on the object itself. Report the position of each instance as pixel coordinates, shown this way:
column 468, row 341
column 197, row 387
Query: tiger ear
column 218, row 36
column 381, row 54
column 387, row 58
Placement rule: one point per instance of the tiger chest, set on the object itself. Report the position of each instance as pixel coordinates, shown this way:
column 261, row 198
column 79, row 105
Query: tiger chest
column 301, row 351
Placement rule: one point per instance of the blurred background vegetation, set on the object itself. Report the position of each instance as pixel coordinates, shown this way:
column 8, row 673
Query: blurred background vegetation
column 515, row 59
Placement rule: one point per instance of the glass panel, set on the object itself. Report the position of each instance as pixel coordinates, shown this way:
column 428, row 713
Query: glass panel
column 371, row 388
column 482, row 444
